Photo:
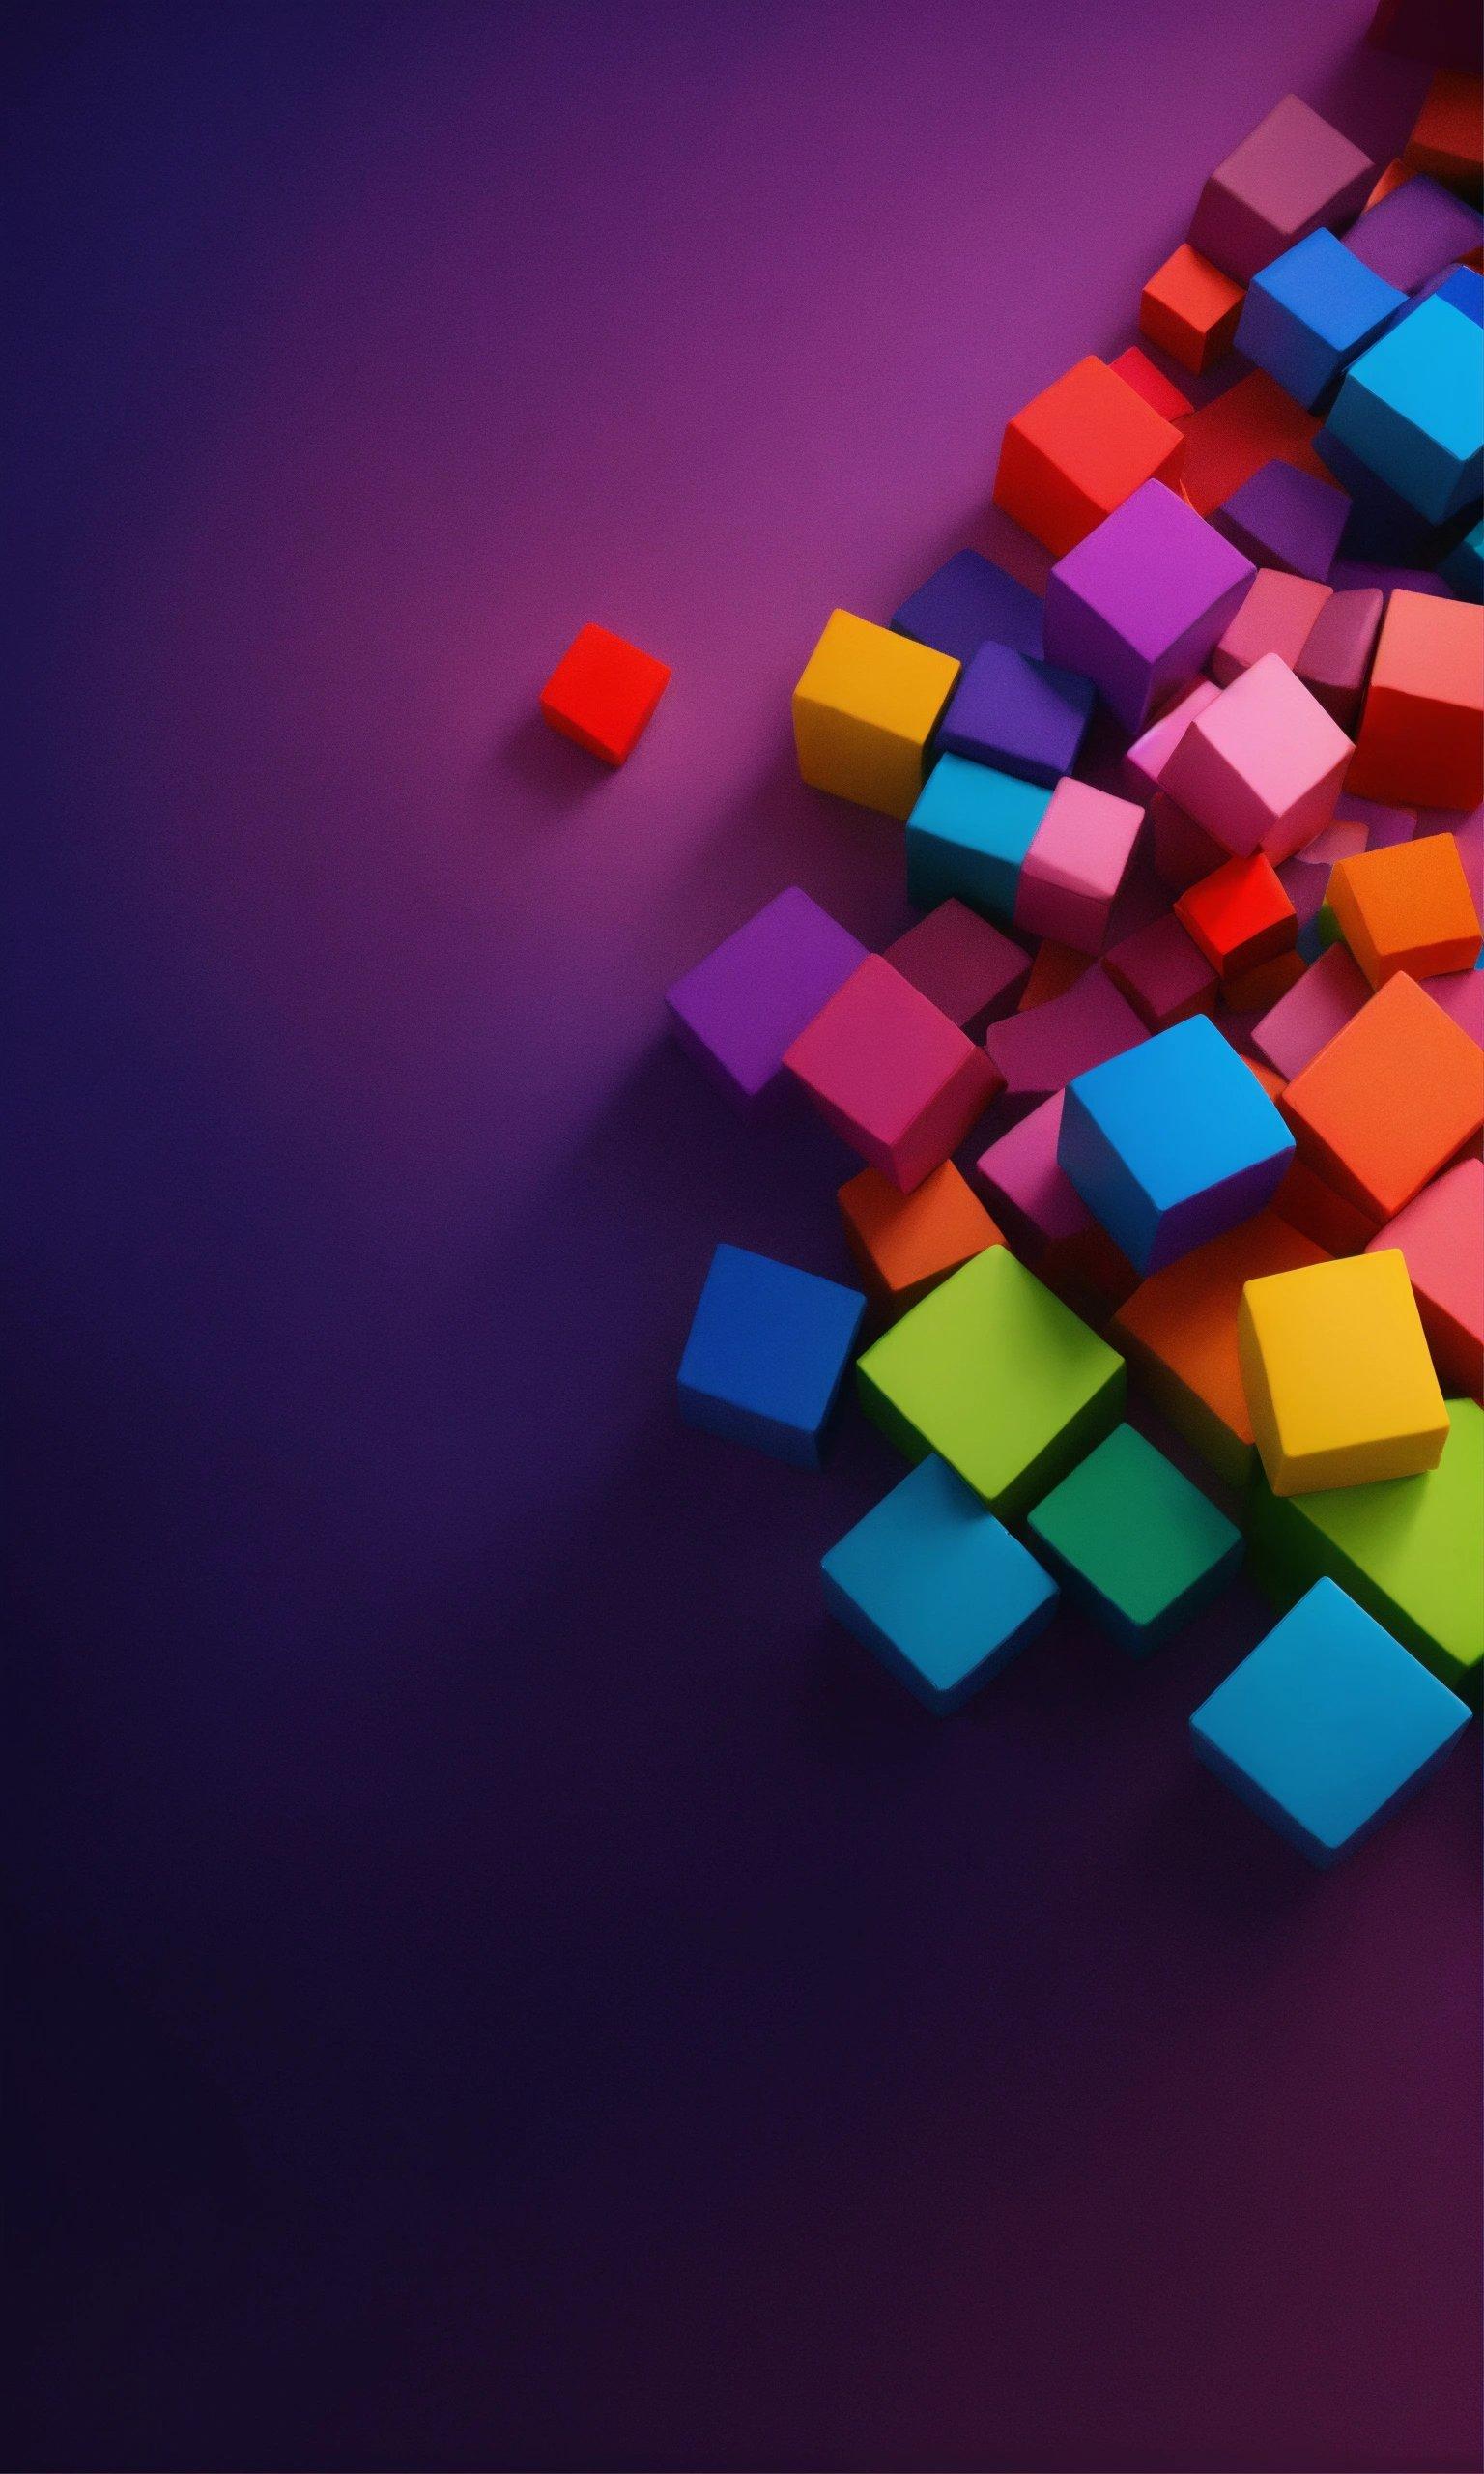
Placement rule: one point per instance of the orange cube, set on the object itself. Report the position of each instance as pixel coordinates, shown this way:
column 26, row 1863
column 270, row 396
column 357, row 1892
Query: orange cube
column 905, row 1243
column 602, row 693
column 1239, row 430
column 1407, row 907
column 1449, row 137
column 1138, row 371
column 1077, row 450
column 1420, row 743
column 1190, row 308
column 1393, row 1097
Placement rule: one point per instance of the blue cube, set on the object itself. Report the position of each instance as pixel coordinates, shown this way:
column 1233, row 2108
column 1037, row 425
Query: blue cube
column 971, row 602
column 1463, row 287
column 768, row 1350
column 1327, row 1725
column 1172, row 1143
column 1382, row 524
column 1310, row 311
column 938, row 1586
column 1412, row 407
column 968, row 835
column 1026, row 717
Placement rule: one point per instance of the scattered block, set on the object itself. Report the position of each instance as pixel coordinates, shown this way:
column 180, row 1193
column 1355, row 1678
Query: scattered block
column 1327, row 1725
column 768, row 1353
column 1142, row 601
column 1329, row 994
column 968, row 602
column 1238, row 916
column 1079, row 450
column 1412, row 407
column 738, row 1010
column 961, row 964
column 1311, row 1205
column 1292, row 174
column 968, row 834
column 1261, row 769
column 1415, row 233
column 864, row 712
column 1024, row 717
column 905, row 1243
column 1421, row 733
column 1162, row 973
column 894, row 1078
column 1463, row 565
column 1055, row 969
column 1440, row 1237
column 1339, row 1379
column 1407, row 908
column 1038, row 1201
column 1239, row 431
column 938, row 1586
column 1146, row 758
column 1285, row 518
column 1257, row 989
column 1038, row 1051
column 1391, row 1099
column 1446, row 140
column 1133, row 1543
column 1310, row 312
column 1334, row 660
column 1190, row 309
column 1138, row 371
column 1181, row 851
column 602, row 693
column 1075, row 865
column 1278, row 617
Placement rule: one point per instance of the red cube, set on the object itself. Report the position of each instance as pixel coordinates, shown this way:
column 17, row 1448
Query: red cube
column 603, row 692
column 1239, row 915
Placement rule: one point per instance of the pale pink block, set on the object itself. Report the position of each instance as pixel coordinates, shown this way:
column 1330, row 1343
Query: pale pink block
column 1262, row 767
column 1041, row 1050
column 1461, row 994
column 1335, row 660
column 1442, row 1239
column 1148, row 756
column 1276, row 618
column 1331, row 992
column 1075, row 864
column 1181, row 851
column 1021, row 1173
column 1336, row 842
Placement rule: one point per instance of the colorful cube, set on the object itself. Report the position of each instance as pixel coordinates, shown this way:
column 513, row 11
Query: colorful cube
column 1407, row 908
column 1138, row 371
column 1293, row 173
column 1392, row 1099
column 1278, row 617
column 1149, row 754
column 1414, row 232
column 1075, row 865
column 1239, row 430
column 1262, row 767
column 1023, row 716
column 905, row 1243
column 1337, row 1374
column 1133, row 1543
column 1421, row 733
column 1412, row 407
column 1334, row 660
column 738, row 1010
column 1446, row 138
column 968, row 602
column 1239, row 915
column 1285, row 518
column 1020, row 1169
column 1142, row 601
column 961, row 964
column 865, row 709
column 602, row 693
column 768, row 1353
column 1039, row 1050
column 1310, row 311
column 1190, row 309
column 968, row 834
column 1440, row 1237
column 1076, row 451
column 894, row 1078
column 1162, row 973
column 1329, row 994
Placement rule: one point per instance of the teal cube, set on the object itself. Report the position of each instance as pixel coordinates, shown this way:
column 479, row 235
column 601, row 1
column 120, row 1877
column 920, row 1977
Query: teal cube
column 938, row 1586
column 1412, row 407
column 968, row 836
column 1136, row 1545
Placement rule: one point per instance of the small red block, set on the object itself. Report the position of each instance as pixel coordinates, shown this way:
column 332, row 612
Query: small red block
column 603, row 692
column 1239, row 915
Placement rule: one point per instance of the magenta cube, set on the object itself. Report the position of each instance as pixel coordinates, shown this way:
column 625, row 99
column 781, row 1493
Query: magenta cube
column 1162, row 973
column 1039, row 1050
column 1331, row 992
column 738, row 1009
column 962, row 964
column 1293, row 173
column 894, row 1077
column 1262, row 767
column 1148, row 755
column 1079, row 857
column 1283, row 518
column 1138, row 606
column 1039, row 1201
column 1334, row 660
column 1278, row 617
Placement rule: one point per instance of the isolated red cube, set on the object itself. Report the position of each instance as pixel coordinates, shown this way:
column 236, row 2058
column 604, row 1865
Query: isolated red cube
column 603, row 692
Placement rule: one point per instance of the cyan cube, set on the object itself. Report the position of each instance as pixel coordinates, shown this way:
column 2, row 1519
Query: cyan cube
column 968, row 835
column 1412, row 407
column 1172, row 1142
column 768, row 1350
column 1327, row 1725
column 1310, row 312
column 969, row 602
column 938, row 1586
column 1026, row 717
column 1134, row 1542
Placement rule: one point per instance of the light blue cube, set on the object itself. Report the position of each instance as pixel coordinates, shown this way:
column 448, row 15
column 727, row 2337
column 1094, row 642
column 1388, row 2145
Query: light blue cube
column 968, row 835
column 1170, row 1144
column 768, row 1353
column 1327, row 1725
column 1412, row 407
column 1310, row 311
column 938, row 1586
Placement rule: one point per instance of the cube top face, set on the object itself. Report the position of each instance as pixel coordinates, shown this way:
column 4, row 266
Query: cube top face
column 878, row 1054
column 1039, row 1050
column 1286, row 519
column 770, row 1345
column 1278, row 617
column 1427, row 372
column 1023, row 716
column 1326, row 1722
column 970, row 601
column 1153, row 570
column 1085, row 839
column 865, row 709
column 1162, row 972
column 1329, row 994
column 1431, row 649
column 1415, row 233
column 1077, row 450
column 603, row 692
column 1324, row 286
column 1294, row 171
column 1262, row 766
column 960, row 963
column 969, row 832
column 1390, row 1099
column 906, row 1243
column 1021, row 1170
column 1338, row 1376
column 741, row 1006
column 1190, row 309
column 1407, row 907
column 1135, row 1530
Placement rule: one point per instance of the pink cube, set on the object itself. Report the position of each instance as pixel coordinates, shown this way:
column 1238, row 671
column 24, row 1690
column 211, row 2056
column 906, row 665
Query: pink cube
column 961, row 964
column 1440, row 1236
column 1162, row 973
column 894, row 1077
column 1336, row 659
column 1039, row 1051
column 1293, row 173
column 1262, row 767
column 1181, row 851
column 1039, row 1203
column 1148, row 756
column 1075, row 864
column 1332, row 990
column 1277, row 616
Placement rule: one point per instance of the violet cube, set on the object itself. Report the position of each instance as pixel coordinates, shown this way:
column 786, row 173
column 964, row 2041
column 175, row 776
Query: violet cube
column 1415, row 233
column 1021, row 716
column 969, row 602
column 1334, row 660
column 1292, row 174
column 745, row 1003
column 1284, row 518
column 961, row 964
column 1140, row 604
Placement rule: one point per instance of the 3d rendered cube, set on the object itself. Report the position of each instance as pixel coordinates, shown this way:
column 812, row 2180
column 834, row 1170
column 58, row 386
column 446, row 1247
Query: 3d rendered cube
column 1412, row 407
column 1037, row 1199
column 1142, row 601
column 1329, row 994
column 1138, row 371
column 1293, row 173
column 968, row 832
column 1038, row 1051
column 768, row 1353
column 1278, row 617
column 905, row 1243
column 1055, row 969
column 1162, row 973
column 997, row 1376
column 1463, row 565
column 1415, row 233
column 1327, row 1725
column 864, row 712
column 1238, row 916
column 1334, row 660
column 968, row 602
column 1076, row 451
column 602, row 693
column 894, row 1078
column 1076, row 862
column 1172, row 1142
column 1261, row 769
column 1421, row 731
column 1285, row 518
column 1310, row 312
column 738, row 1009
column 1237, row 432
column 1339, row 1381
column 1445, row 137
column 1181, row 852
column 1393, row 1097
column 1407, row 908
column 961, row 964
column 1133, row 1543
column 1024, row 717
column 1148, row 754
column 1441, row 1235
column 934, row 1584
column 1190, row 309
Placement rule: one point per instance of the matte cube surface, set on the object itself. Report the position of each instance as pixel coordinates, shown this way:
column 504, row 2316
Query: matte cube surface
column 1021, row 1172
column 1337, row 1374
column 1407, row 908
column 1412, row 407
column 961, row 964
column 934, row 1585
column 1134, row 1542
column 1076, row 451
column 1310, row 311
column 1026, row 717
column 1294, row 172
column 905, row 1243
column 969, row 602
column 1236, row 431
column 1075, row 865
column 1445, row 137
column 1262, row 767
column 1329, row 994
column 1419, row 741
column 1285, row 518
column 1139, row 605
column 738, row 1009
column 1162, row 973
column 1150, row 753
column 1190, row 309
column 1327, row 1725
column 1278, row 617
column 1440, row 1237
column 602, row 693
column 894, row 1077
column 1238, row 916
column 768, row 1353
column 1039, row 1050
column 968, row 833
column 1415, row 233
column 1391, row 1099
column 864, row 712
column 1335, row 659
column 1138, row 371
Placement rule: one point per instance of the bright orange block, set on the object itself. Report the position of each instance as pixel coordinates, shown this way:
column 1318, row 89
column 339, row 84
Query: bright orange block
column 1421, row 737
column 1239, row 915
column 1395, row 1096
column 1077, row 450
column 1190, row 308
column 1239, row 430
column 1407, row 907
column 1449, row 137
column 1138, row 371
column 603, row 692
column 905, row 1243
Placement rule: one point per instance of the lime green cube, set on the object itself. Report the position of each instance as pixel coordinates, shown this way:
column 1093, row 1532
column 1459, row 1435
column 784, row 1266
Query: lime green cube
column 1137, row 1546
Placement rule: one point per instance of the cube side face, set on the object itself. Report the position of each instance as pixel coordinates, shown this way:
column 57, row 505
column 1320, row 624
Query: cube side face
column 864, row 711
column 969, row 602
column 1423, row 721
column 1021, row 717
column 739, row 1007
column 961, row 964
column 1442, row 1239
column 768, row 1353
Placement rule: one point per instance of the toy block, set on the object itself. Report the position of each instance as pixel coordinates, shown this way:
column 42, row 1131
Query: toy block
column 1134, row 1543
column 1463, row 565
column 1412, row 407
column 938, row 1586
column 1162, row 973
column 1237, row 432
column 1339, row 1382
column 1142, row 601
column 1039, row 1050
column 1039, row 1202
column 1390, row 178
column 602, row 693
column 1190, row 309
column 998, row 1377
column 905, row 1243
column 1258, row 989
column 1419, row 739
column 1335, row 659
column 1446, row 140
column 1079, row 450
column 1326, row 1726
column 961, row 964
column 1391, row 1099
column 1172, row 1142
column 1138, row 371
column 1238, row 916
column 1407, row 908
column 1310, row 312
column 1283, row 518
column 1024, row 717
column 1179, row 1333
column 1055, row 969
column 968, row 834
column 1261, row 769
column 1440, row 1237
column 1415, row 233
column 1292, row 174
column 1147, row 758
column 1181, row 851
column 768, row 1353
column 1444, row 32
column 894, row 1078
column 865, row 709
column 1328, row 996
column 969, row 602
column 1076, row 864
column 1463, row 287
column 1310, row 1204
column 738, row 1010
column 1278, row 617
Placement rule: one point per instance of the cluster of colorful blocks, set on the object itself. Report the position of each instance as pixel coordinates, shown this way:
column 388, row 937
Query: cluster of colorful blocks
column 1189, row 944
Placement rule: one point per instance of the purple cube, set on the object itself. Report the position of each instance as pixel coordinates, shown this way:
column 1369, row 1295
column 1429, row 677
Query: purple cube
column 961, row 964
column 1415, row 233
column 971, row 602
column 739, row 1009
column 1283, row 518
column 1139, row 606
column 1292, row 174
column 1019, row 715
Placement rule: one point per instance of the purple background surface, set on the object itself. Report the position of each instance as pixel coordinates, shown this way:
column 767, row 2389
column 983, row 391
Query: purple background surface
column 500, row 1980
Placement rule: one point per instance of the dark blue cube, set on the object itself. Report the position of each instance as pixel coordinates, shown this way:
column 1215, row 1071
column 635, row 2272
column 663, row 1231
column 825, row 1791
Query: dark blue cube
column 971, row 602
column 768, row 1350
column 1023, row 717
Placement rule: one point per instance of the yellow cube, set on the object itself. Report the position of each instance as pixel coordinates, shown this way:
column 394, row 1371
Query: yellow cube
column 865, row 709
column 1340, row 1387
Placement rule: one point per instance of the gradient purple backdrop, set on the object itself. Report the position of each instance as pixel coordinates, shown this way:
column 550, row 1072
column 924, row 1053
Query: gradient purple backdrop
column 498, row 1980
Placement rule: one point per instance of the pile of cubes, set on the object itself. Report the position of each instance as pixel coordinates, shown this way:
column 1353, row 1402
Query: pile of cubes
column 1178, row 1080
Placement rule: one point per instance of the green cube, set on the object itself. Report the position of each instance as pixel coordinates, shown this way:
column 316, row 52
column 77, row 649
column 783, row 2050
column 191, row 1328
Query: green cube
column 997, row 1376
column 1136, row 1544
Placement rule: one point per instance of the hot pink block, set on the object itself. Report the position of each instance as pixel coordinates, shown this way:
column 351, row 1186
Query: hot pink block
column 1075, row 864
column 1276, row 618
column 1262, row 767
column 1021, row 1173
column 1151, row 752
column 890, row 1074
column 1041, row 1050
column 1441, row 1237
column 1331, row 992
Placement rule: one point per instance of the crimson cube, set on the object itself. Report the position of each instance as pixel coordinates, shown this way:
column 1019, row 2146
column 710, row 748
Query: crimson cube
column 603, row 692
